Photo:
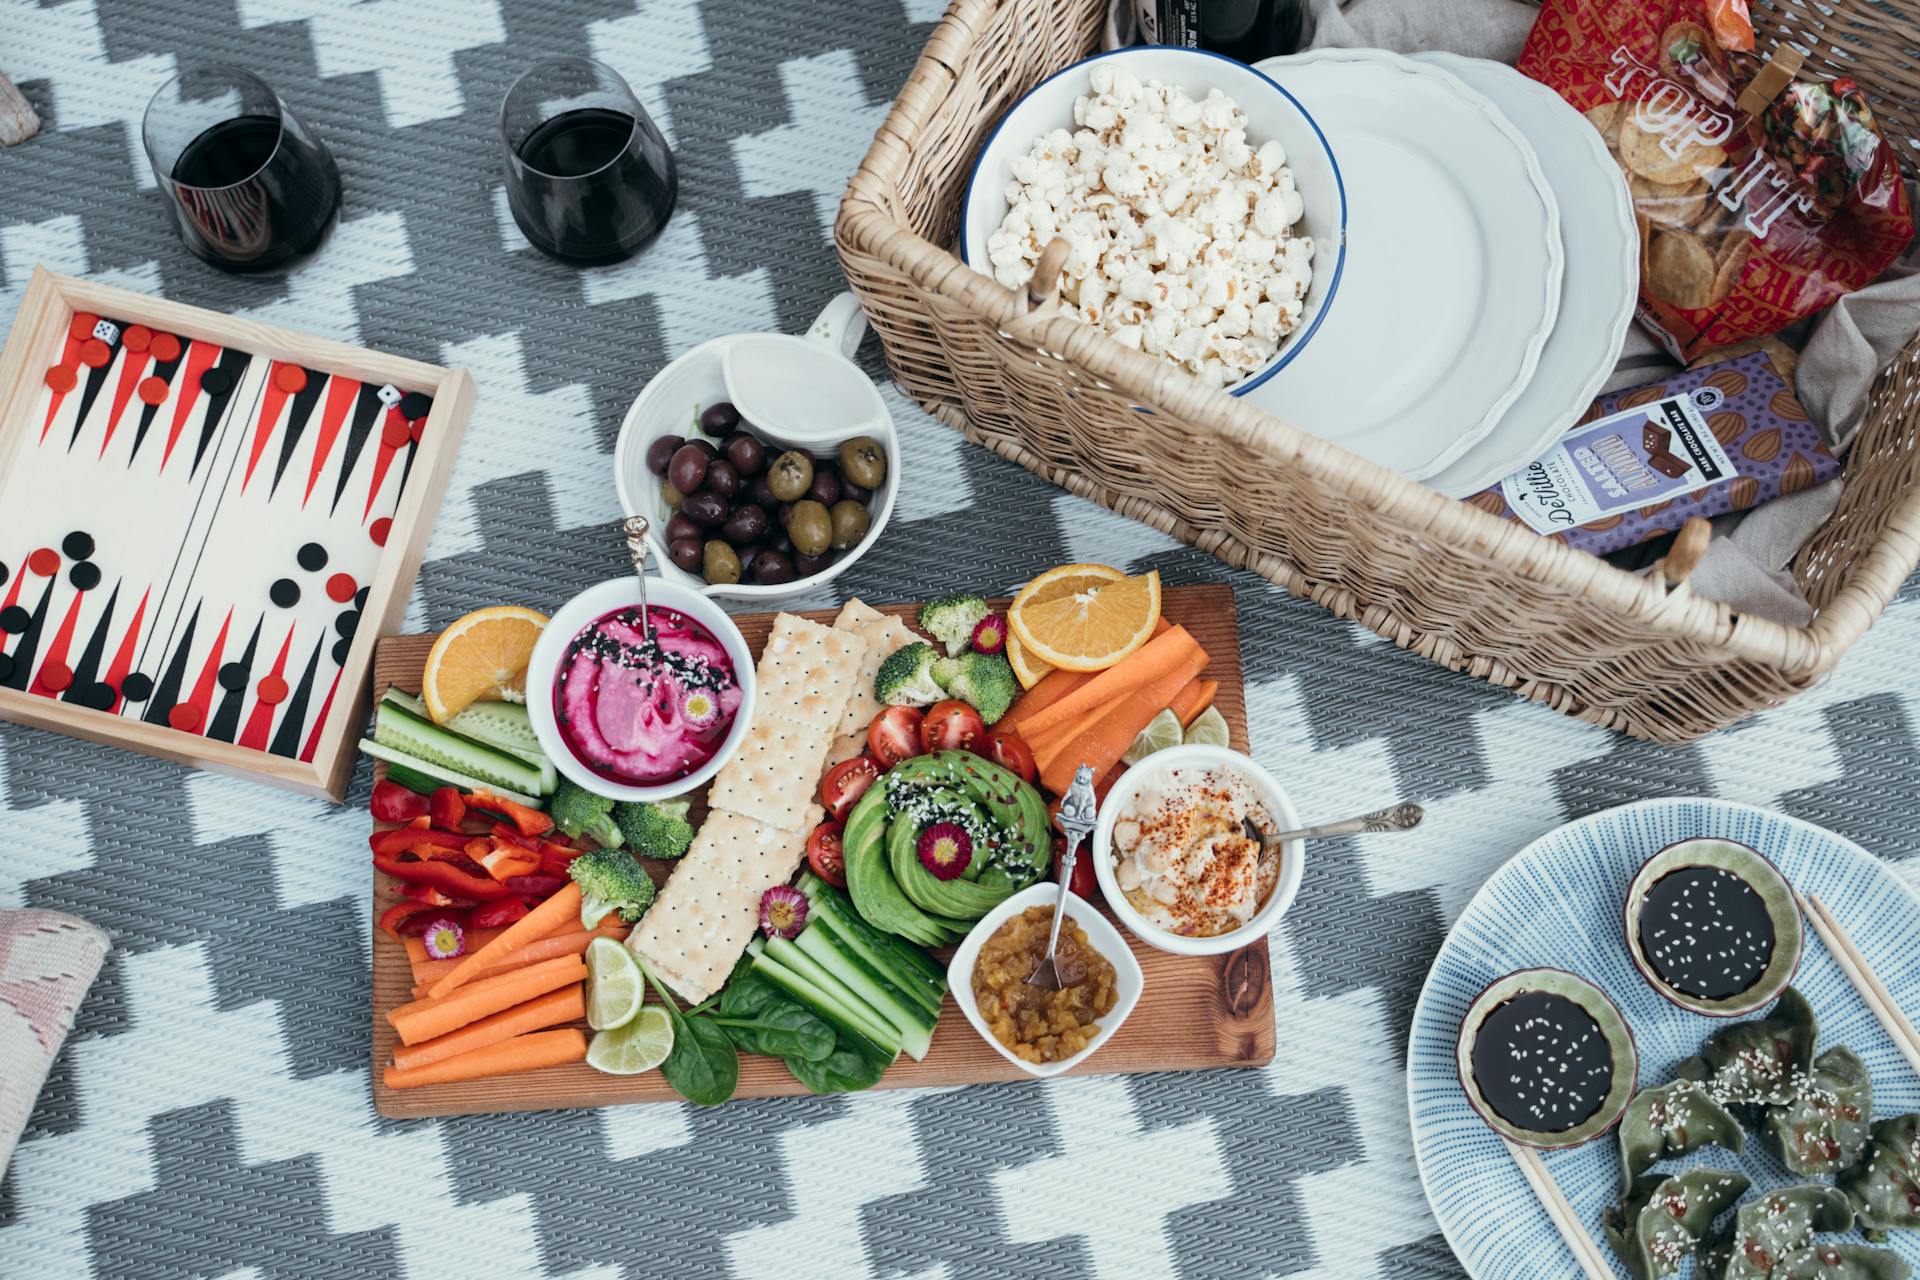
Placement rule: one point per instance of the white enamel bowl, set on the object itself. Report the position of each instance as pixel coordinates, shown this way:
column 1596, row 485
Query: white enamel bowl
column 1272, row 113
column 586, row 608
column 1128, row 980
column 1153, row 769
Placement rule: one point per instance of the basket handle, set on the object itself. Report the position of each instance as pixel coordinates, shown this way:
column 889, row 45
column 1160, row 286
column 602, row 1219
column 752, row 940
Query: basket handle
column 1689, row 545
column 1045, row 284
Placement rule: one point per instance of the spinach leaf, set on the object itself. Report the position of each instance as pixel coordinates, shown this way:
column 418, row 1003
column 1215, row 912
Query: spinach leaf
column 856, row 1063
column 703, row 1067
column 762, row 1019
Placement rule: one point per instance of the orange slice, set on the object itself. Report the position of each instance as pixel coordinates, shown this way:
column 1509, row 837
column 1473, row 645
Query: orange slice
column 1085, row 621
column 1027, row 669
column 483, row 655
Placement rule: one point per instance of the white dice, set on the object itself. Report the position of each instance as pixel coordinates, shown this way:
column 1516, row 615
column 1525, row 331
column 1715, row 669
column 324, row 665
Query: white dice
column 107, row 331
column 389, row 395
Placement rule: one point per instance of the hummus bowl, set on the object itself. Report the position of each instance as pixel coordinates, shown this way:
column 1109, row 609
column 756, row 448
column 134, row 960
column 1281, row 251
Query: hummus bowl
column 1156, row 770
column 589, row 608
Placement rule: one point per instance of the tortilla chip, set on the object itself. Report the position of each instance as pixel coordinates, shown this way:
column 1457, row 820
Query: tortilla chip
column 1675, row 205
column 1605, row 118
column 1641, row 152
column 1680, row 269
column 1732, row 259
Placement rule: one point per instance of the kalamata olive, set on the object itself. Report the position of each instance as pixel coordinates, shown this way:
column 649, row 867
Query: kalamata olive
column 706, row 509
column 863, row 461
column 661, row 452
column 706, row 447
column 685, row 554
column 825, row 488
column 772, row 568
column 723, row 479
column 670, row 497
column 854, row 492
column 748, row 523
column 688, row 470
column 785, row 513
column 680, row 527
column 719, row 562
column 781, row 542
column 760, row 493
column 850, row 523
column 747, row 454
column 810, row 527
column 807, row 566
column 719, row 419
column 790, row 475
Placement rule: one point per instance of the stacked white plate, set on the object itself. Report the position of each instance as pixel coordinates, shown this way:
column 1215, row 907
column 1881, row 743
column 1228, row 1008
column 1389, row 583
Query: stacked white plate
column 1491, row 267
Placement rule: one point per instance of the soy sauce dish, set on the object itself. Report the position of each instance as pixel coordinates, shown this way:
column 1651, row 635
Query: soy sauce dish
column 1713, row 926
column 1547, row 1059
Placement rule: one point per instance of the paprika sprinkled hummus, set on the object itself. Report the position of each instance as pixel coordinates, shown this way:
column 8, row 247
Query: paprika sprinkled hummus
column 1182, row 854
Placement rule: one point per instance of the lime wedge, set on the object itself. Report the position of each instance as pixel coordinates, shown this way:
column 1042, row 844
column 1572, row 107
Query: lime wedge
column 640, row 1045
column 1162, row 731
column 1210, row 727
column 615, row 989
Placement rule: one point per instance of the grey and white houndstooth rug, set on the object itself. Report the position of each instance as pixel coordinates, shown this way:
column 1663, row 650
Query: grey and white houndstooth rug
column 211, row 1115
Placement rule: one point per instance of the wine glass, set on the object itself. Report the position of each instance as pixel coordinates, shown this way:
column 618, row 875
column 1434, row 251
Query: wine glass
column 251, row 187
column 589, row 176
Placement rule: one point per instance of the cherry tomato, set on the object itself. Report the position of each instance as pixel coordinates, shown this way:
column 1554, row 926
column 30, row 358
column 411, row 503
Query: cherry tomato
column 951, row 726
column 1006, row 749
column 845, row 783
column 827, row 854
column 894, row 735
column 1083, row 884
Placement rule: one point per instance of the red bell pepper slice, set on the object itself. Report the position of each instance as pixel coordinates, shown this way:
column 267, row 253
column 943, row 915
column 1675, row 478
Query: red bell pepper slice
column 394, row 803
column 511, row 835
column 556, row 859
column 528, row 822
column 412, row 839
column 496, row 915
column 443, row 876
column 504, row 861
column 447, row 809
column 394, row 918
column 536, row 886
column 433, row 895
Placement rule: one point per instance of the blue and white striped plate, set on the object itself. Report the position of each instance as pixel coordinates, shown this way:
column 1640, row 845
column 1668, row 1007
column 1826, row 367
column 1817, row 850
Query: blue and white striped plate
column 1558, row 902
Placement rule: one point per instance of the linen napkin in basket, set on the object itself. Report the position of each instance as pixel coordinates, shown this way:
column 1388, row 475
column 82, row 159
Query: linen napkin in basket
column 47, row 962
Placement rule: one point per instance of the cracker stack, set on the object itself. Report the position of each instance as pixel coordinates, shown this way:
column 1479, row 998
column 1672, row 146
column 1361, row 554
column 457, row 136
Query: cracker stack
column 813, row 682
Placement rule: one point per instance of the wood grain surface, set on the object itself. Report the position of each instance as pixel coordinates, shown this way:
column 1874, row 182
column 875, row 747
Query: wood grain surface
column 1195, row 1012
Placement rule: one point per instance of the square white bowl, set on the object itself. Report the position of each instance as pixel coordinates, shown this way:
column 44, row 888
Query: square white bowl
column 1128, row 980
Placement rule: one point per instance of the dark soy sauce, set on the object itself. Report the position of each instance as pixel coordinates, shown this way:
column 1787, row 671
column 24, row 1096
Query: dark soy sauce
column 1542, row 1063
column 1706, row 932
column 593, row 187
column 252, row 197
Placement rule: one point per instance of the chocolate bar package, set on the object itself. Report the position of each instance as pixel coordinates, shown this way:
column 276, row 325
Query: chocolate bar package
column 1717, row 438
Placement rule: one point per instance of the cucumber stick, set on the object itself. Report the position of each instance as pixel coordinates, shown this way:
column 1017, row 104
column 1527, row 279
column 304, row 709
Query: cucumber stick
column 504, row 726
column 914, row 1022
column 427, row 776
column 846, row 1017
column 899, row 959
column 395, row 726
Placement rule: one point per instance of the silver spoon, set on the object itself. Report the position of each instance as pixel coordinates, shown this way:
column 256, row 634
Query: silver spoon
column 1397, row 817
column 1077, row 812
column 635, row 528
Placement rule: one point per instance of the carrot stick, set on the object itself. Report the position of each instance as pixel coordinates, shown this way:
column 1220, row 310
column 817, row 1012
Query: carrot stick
column 1053, row 686
column 417, row 950
column 558, row 944
column 435, row 1016
column 1042, row 742
column 1192, row 700
column 1144, row 665
column 1104, row 744
column 567, row 1004
column 522, row 1053
column 531, row 927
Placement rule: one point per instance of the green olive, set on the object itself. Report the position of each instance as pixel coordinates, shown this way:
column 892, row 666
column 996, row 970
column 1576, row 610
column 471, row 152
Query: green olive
column 790, row 476
column 863, row 461
column 850, row 523
column 670, row 497
column 720, row 563
column 810, row 527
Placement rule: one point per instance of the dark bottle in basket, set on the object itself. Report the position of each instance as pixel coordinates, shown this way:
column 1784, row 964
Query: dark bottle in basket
column 1248, row 30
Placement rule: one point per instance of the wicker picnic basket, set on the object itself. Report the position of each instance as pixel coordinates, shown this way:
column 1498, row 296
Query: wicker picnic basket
column 1639, row 653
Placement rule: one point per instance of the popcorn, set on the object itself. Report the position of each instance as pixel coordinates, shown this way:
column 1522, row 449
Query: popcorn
column 1179, row 226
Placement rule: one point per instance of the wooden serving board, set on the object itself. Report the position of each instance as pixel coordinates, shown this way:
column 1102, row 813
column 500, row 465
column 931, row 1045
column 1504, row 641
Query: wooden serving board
column 1195, row 1012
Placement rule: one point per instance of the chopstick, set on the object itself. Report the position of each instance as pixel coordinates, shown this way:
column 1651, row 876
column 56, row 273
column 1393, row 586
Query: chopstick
column 1554, row 1201
column 1873, row 992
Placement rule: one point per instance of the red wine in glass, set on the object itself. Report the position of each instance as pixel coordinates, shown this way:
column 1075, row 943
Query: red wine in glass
column 251, row 188
column 590, row 179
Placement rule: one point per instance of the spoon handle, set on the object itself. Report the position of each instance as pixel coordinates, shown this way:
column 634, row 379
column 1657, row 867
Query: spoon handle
column 1398, row 817
column 634, row 528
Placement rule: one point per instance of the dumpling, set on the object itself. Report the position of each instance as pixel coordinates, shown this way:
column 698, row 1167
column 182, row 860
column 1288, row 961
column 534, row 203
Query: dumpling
column 1885, row 1185
column 1659, row 1224
column 1672, row 1120
column 1758, row 1063
column 1841, row 1262
column 1824, row 1128
column 1772, row 1227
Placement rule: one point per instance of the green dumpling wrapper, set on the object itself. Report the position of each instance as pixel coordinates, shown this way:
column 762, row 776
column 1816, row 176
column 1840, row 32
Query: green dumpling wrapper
column 1841, row 1262
column 1672, row 1120
column 1773, row 1226
column 1824, row 1128
column 1884, row 1185
column 1660, row 1223
column 1763, row 1062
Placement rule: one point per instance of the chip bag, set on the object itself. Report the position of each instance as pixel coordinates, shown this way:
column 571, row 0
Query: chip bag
column 1759, row 199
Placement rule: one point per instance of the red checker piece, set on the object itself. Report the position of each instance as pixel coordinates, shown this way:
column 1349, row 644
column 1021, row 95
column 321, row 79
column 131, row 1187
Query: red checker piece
column 289, row 377
column 80, row 328
column 164, row 347
column 61, row 378
column 340, row 588
column 272, row 690
column 137, row 338
column 95, row 353
column 418, row 429
column 379, row 530
column 45, row 562
column 395, row 433
column 185, row 717
column 153, row 390
column 55, row 676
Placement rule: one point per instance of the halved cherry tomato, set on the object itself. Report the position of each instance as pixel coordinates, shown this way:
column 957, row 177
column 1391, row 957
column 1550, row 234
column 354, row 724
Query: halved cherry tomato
column 845, row 783
column 1083, row 884
column 894, row 735
column 1006, row 749
column 951, row 726
column 827, row 854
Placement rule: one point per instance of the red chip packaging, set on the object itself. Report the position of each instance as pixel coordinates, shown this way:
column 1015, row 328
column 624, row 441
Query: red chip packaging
column 1759, row 198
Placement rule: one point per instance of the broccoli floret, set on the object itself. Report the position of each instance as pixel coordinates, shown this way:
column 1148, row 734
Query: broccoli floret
column 951, row 620
column 579, row 812
column 905, row 679
column 610, row 880
column 984, row 680
column 655, row 830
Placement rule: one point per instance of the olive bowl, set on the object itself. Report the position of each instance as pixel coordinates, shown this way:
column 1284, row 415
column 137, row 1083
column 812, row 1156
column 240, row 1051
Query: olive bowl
column 1612, row 1024
column 1760, row 875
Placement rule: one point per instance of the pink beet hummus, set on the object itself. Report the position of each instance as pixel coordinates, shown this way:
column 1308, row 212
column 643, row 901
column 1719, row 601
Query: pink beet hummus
column 645, row 712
